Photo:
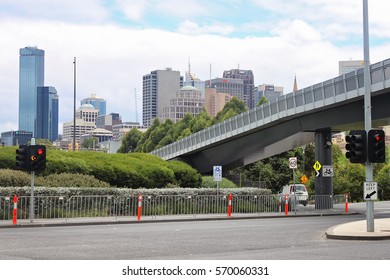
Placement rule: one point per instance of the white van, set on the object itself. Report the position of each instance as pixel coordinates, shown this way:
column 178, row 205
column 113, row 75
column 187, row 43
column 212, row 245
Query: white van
column 296, row 192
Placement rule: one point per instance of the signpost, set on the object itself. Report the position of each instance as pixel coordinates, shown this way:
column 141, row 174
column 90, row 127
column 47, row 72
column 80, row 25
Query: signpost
column 217, row 175
column 370, row 190
column 327, row 171
column 317, row 166
column 293, row 164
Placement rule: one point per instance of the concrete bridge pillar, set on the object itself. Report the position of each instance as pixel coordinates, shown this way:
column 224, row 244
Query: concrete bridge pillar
column 323, row 154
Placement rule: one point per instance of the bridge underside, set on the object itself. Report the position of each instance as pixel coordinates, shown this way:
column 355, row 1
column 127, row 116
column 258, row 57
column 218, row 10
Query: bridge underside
column 287, row 134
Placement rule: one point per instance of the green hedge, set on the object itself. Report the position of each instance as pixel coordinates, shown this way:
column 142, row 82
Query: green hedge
column 16, row 178
column 131, row 170
column 47, row 191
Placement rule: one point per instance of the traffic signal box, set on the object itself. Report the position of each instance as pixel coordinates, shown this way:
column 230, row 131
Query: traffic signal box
column 376, row 146
column 31, row 158
column 22, row 157
column 361, row 146
column 356, row 146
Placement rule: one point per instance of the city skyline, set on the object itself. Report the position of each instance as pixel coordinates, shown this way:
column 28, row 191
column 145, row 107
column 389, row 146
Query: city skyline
column 118, row 42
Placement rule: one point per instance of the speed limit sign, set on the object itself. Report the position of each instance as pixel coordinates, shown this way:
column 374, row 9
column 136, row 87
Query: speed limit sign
column 293, row 162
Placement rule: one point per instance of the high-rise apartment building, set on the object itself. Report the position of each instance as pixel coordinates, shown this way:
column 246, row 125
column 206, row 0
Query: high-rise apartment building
column 158, row 88
column 234, row 87
column 215, row 101
column 108, row 121
column 31, row 76
column 271, row 92
column 192, row 80
column 248, row 80
column 97, row 102
column 188, row 100
column 47, row 113
column 86, row 117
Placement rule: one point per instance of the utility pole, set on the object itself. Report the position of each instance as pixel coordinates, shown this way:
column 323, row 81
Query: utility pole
column 74, row 105
column 367, row 111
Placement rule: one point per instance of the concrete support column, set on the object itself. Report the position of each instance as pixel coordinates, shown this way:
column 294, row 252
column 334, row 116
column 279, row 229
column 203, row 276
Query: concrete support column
column 323, row 154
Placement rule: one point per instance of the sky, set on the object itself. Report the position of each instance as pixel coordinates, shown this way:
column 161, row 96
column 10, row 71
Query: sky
column 117, row 42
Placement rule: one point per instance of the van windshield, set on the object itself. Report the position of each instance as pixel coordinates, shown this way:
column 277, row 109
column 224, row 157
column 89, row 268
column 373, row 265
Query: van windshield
column 300, row 188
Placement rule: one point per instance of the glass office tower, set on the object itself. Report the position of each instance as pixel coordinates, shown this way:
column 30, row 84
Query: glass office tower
column 47, row 113
column 31, row 76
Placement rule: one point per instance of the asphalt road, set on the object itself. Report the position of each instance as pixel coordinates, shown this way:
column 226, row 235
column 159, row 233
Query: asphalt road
column 297, row 238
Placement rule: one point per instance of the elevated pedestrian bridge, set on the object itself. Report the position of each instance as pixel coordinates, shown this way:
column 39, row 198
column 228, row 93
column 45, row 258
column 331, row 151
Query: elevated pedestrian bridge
column 291, row 121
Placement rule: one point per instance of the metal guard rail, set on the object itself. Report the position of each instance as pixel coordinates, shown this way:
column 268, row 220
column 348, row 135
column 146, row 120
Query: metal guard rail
column 62, row 207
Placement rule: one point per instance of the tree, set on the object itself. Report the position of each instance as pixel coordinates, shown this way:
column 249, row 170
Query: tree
column 234, row 107
column 130, row 141
column 145, row 141
column 262, row 101
column 91, row 143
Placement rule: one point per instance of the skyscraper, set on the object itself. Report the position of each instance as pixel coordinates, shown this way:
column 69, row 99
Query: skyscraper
column 248, row 79
column 31, row 76
column 47, row 113
column 234, row 87
column 98, row 102
column 158, row 88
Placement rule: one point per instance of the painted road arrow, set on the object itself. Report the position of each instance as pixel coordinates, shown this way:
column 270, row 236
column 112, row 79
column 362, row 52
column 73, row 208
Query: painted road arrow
column 368, row 196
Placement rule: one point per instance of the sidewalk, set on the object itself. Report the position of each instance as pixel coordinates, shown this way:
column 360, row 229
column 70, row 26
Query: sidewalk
column 358, row 231
column 348, row 231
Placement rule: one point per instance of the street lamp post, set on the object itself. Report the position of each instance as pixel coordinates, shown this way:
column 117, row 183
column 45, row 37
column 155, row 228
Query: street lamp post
column 367, row 111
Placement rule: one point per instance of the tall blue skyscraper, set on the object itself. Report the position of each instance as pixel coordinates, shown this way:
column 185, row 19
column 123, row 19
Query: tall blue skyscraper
column 31, row 76
column 47, row 113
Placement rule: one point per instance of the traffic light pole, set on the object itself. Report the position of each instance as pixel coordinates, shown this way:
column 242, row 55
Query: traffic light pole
column 32, row 190
column 367, row 112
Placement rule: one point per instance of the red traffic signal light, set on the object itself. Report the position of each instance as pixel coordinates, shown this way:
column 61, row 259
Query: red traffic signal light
column 37, row 157
column 31, row 157
column 376, row 146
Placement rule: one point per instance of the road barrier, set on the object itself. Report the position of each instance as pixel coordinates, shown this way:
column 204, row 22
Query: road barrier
column 15, row 212
column 286, row 205
column 139, row 207
column 230, row 205
column 62, row 207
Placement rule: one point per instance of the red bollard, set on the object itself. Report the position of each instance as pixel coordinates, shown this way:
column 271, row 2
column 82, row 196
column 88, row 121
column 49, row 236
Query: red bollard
column 15, row 212
column 139, row 207
column 346, row 203
column 286, row 206
column 230, row 205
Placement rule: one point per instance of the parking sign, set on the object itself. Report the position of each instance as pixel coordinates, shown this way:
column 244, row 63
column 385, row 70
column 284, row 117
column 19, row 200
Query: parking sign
column 217, row 173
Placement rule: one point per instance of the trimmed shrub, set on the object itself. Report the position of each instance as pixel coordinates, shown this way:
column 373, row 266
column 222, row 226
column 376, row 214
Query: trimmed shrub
column 14, row 178
column 208, row 182
column 185, row 176
column 66, row 180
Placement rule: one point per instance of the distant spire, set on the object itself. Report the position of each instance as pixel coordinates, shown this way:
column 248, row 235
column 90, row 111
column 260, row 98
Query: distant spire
column 189, row 65
column 295, row 88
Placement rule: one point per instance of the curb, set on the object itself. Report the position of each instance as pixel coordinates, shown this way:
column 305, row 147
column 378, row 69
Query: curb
column 119, row 222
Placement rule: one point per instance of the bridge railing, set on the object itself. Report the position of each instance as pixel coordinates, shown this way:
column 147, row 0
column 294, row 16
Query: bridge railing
column 319, row 95
column 62, row 207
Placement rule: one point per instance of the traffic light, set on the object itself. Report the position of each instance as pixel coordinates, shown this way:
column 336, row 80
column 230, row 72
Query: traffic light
column 356, row 146
column 22, row 160
column 376, row 146
column 37, row 157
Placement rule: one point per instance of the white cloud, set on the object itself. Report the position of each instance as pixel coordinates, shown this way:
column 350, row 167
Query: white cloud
column 192, row 28
column 134, row 10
